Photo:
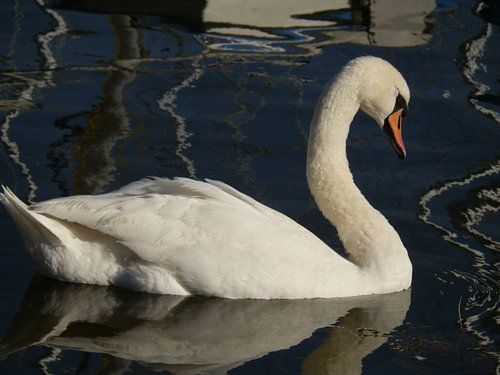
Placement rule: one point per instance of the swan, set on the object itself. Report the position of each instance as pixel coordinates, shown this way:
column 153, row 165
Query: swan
column 185, row 237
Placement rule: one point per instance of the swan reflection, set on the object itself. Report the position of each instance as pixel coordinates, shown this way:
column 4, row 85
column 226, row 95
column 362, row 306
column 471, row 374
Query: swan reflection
column 198, row 334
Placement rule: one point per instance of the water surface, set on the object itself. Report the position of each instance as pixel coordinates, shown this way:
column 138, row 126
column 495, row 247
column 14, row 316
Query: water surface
column 96, row 94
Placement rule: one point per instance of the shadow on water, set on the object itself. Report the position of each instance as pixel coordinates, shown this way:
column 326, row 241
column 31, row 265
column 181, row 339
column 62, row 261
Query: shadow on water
column 198, row 335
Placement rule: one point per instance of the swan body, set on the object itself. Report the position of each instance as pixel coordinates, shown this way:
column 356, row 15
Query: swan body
column 186, row 237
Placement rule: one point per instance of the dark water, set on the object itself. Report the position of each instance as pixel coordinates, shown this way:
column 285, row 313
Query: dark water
column 95, row 94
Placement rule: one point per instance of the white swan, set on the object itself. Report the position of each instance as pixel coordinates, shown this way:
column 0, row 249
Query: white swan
column 187, row 237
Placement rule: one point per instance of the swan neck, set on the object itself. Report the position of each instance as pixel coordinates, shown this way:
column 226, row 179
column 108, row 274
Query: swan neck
column 361, row 228
column 330, row 127
column 328, row 173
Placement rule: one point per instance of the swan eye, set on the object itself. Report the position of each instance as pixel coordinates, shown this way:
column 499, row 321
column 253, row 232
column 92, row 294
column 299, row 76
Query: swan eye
column 400, row 104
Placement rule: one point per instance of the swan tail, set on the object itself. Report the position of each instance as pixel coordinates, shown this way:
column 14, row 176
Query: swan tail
column 34, row 228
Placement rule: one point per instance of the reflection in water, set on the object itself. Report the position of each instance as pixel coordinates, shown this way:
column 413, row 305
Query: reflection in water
column 267, row 26
column 108, row 123
column 471, row 202
column 16, row 29
column 46, row 39
column 167, row 103
column 488, row 203
column 249, row 97
column 357, row 334
column 390, row 23
column 196, row 334
column 275, row 27
column 45, row 362
column 16, row 107
column 475, row 71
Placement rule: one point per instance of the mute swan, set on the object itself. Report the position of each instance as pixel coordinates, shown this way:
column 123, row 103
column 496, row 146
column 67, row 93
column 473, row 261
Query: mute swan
column 180, row 236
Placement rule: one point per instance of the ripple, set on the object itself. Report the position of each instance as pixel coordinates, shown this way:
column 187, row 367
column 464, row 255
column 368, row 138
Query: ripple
column 167, row 103
column 44, row 41
column 459, row 209
column 475, row 69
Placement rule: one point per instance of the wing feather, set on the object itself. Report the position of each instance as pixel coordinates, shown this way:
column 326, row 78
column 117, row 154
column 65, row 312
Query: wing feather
column 156, row 215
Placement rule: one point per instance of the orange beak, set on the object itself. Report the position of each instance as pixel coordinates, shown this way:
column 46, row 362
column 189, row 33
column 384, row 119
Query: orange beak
column 392, row 127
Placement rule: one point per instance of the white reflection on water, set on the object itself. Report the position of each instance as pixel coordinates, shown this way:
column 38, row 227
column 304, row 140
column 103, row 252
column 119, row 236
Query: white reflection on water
column 274, row 27
column 167, row 103
column 47, row 38
column 13, row 149
column 475, row 215
column 464, row 220
column 255, row 43
column 435, row 192
column 195, row 334
column 25, row 97
column 483, row 299
column 54, row 356
column 473, row 67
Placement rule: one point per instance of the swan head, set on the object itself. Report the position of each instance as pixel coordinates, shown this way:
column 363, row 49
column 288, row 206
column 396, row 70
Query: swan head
column 383, row 95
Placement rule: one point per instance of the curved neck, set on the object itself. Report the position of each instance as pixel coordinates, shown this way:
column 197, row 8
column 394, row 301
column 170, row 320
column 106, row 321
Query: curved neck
column 367, row 236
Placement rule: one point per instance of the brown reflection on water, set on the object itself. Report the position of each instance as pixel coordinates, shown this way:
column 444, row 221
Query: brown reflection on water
column 354, row 337
column 109, row 122
column 197, row 334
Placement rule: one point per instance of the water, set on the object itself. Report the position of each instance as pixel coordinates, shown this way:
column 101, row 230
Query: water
column 95, row 96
